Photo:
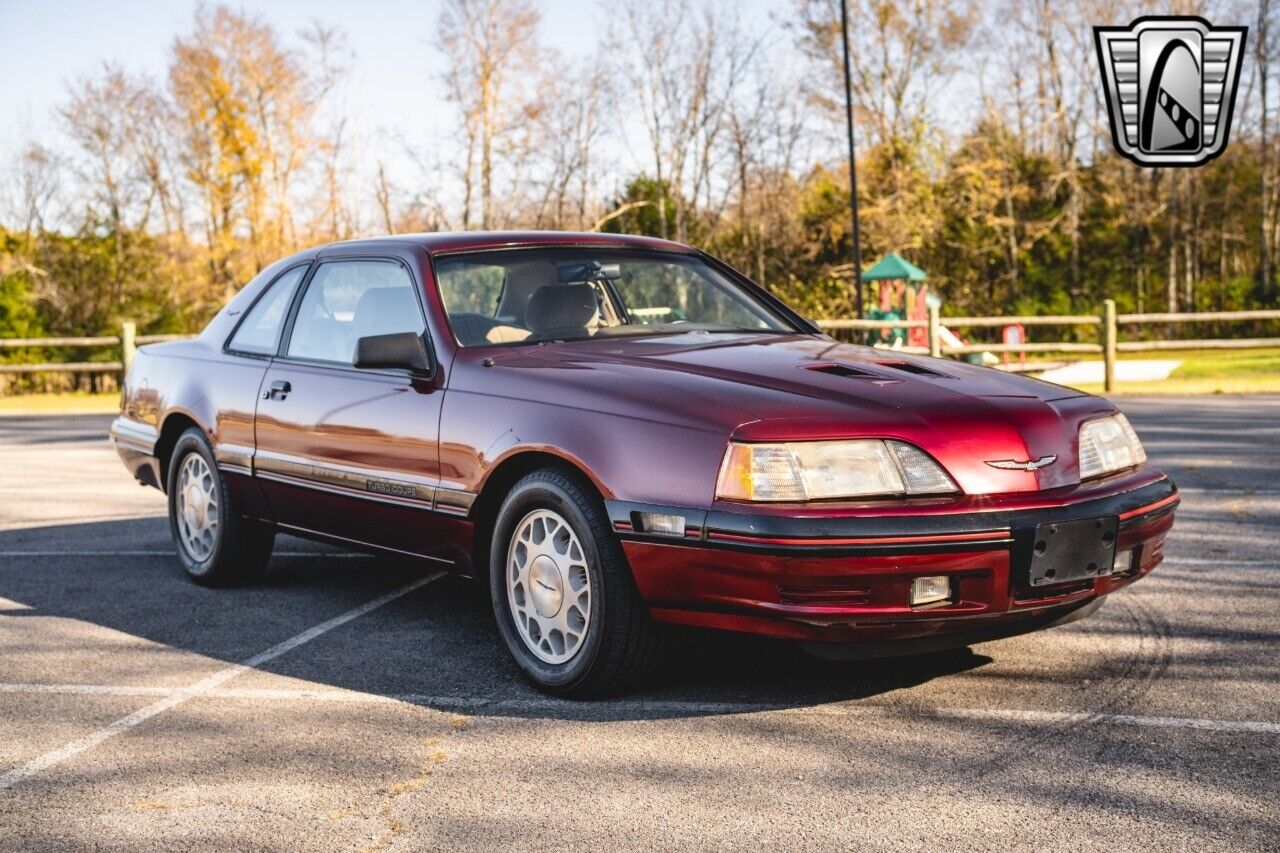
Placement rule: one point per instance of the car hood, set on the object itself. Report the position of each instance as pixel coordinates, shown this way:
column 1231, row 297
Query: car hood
column 801, row 387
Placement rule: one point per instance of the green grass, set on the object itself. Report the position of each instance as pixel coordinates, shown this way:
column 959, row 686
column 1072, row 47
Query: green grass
column 1212, row 364
column 1255, row 371
column 1188, row 387
column 49, row 404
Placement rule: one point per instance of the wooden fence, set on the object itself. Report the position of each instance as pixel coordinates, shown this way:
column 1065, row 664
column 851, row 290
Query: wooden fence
column 126, row 343
column 1108, row 324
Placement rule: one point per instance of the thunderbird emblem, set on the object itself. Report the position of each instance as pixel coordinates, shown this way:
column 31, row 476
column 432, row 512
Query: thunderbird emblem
column 1029, row 465
column 1170, row 84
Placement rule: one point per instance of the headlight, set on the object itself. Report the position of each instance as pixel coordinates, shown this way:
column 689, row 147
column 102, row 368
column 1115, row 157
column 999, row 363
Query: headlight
column 1108, row 444
column 823, row 470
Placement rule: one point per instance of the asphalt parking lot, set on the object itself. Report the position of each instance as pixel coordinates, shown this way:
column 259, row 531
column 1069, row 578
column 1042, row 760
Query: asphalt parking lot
column 356, row 703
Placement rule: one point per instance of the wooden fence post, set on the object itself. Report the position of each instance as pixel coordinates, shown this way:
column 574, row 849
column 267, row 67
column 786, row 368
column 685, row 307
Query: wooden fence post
column 128, row 345
column 1109, row 344
column 935, row 332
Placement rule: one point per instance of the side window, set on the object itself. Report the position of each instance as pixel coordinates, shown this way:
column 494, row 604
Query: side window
column 349, row 300
column 259, row 332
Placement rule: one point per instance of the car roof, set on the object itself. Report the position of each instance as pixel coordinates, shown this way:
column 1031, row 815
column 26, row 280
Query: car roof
column 467, row 241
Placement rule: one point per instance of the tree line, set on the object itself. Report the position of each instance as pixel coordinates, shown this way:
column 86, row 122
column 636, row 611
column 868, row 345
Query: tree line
column 984, row 157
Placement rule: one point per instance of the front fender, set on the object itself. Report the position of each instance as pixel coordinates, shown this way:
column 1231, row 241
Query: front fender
column 627, row 458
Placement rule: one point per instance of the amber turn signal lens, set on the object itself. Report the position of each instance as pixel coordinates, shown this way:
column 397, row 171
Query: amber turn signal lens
column 736, row 474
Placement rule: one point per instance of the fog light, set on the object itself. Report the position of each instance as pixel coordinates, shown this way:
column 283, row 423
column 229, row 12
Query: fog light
column 1123, row 562
column 930, row 590
column 662, row 525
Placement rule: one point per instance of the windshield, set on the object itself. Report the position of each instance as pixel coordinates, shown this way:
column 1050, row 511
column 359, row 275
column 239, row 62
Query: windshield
column 530, row 295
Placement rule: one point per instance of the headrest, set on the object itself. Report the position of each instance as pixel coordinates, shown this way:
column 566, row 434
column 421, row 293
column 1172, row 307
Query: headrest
column 384, row 310
column 560, row 306
column 522, row 281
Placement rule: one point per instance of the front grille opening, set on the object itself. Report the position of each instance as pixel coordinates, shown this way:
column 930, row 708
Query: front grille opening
column 1056, row 591
column 917, row 369
column 834, row 594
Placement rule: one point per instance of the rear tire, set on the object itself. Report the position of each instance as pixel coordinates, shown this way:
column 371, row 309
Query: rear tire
column 563, row 595
column 216, row 543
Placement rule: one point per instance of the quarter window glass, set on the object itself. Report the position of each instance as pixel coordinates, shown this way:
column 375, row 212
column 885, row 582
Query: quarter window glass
column 349, row 300
column 259, row 333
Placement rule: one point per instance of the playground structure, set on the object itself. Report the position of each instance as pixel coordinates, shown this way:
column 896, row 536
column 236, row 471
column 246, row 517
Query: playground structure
column 902, row 293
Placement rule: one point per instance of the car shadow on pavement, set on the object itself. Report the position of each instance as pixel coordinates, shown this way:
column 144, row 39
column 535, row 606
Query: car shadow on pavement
column 435, row 647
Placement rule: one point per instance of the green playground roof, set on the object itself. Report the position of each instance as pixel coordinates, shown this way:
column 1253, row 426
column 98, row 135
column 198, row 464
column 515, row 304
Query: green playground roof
column 894, row 267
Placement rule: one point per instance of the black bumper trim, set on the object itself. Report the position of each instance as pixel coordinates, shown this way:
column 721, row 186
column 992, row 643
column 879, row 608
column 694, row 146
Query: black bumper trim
column 934, row 524
column 777, row 528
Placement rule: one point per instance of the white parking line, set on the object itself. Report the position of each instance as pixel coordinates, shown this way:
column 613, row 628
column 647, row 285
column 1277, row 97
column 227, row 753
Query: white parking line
column 36, row 524
column 89, row 689
column 1222, row 562
column 203, row 686
column 501, row 707
column 170, row 552
column 1229, row 490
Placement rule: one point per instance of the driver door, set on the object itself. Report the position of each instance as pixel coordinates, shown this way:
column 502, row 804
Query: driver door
column 346, row 453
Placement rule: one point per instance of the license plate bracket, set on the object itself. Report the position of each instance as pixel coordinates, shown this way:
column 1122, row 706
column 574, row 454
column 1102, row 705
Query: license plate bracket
column 1065, row 551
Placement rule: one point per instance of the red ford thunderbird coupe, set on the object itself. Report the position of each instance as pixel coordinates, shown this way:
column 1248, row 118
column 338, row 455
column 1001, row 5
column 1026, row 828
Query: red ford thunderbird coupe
column 618, row 434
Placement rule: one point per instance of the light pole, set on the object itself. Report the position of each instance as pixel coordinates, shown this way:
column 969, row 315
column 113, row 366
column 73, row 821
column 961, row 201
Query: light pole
column 853, row 162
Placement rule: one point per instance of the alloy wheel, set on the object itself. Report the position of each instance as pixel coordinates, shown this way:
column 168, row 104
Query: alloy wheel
column 197, row 508
column 548, row 586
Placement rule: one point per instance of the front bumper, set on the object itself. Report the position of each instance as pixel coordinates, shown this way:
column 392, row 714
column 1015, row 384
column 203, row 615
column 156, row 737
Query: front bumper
column 843, row 575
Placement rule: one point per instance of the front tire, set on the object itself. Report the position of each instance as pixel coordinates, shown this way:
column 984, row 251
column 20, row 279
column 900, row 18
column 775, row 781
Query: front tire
column 216, row 544
column 563, row 595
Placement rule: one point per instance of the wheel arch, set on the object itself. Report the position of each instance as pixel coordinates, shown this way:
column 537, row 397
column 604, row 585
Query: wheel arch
column 171, row 428
column 498, row 483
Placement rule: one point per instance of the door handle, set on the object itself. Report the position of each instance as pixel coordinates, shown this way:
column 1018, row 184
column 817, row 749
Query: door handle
column 279, row 389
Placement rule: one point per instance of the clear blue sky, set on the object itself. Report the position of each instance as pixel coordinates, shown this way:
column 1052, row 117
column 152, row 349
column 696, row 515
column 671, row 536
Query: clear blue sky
column 43, row 45
column 394, row 82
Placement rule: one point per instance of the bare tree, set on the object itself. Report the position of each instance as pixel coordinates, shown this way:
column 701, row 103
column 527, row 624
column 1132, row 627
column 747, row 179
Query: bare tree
column 329, row 141
column 32, row 186
column 567, row 137
column 152, row 133
column 492, row 51
column 682, row 65
column 902, row 56
column 98, row 119
column 382, row 197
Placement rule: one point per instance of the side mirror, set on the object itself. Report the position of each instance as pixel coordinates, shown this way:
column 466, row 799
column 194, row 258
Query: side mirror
column 403, row 350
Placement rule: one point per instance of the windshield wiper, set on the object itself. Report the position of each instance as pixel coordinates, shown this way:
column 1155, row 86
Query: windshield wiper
column 734, row 330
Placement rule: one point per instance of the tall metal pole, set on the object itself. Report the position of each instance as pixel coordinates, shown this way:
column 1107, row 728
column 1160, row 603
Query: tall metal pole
column 853, row 162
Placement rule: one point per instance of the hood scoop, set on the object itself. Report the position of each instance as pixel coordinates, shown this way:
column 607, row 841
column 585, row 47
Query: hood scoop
column 850, row 372
column 843, row 370
column 916, row 369
column 847, row 372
